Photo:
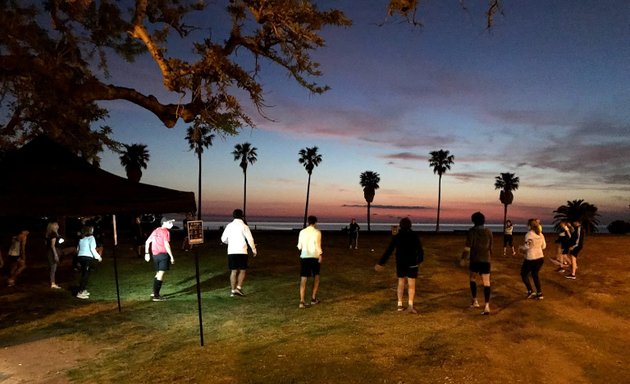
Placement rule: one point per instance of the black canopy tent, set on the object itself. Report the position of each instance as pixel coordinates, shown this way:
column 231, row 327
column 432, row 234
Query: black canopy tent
column 43, row 178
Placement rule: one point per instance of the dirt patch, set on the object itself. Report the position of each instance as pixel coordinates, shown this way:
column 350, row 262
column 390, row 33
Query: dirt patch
column 43, row 361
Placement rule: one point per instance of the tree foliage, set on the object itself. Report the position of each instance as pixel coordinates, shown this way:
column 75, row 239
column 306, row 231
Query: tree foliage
column 441, row 162
column 578, row 210
column 54, row 59
column 369, row 181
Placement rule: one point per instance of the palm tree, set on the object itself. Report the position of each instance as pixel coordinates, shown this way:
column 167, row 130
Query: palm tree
column 134, row 157
column 199, row 137
column 246, row 154
column 578, row 210
column 369, row 181
column 441, row 162
column 310, row 159
column 506, row 182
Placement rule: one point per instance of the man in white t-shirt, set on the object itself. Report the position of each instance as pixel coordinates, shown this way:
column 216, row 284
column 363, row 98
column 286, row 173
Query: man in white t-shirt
column 238, row 237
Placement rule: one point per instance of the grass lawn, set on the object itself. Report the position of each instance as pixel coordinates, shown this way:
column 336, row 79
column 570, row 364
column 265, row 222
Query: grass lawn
column 578, row 334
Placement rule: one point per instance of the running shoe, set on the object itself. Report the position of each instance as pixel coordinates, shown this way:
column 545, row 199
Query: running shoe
column 400, row 308
column 158, row 298
column 539, row 296
column 474, row 304
column 54, row 286
column 303, row 305
column 238, row 292
column 315, row 301
column 82, row 295
column 570, row 277
column 412, row 310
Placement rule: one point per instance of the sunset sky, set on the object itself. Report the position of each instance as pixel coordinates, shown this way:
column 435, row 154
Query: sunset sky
column 544, row 95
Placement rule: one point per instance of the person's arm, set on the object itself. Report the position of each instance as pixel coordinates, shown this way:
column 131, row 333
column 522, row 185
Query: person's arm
column 93, row 250
column 388, row 252
column 224, row 235
column 318, row 245
column 53, row 243
column 147, row 243
column 167, row 246
column 250, row 241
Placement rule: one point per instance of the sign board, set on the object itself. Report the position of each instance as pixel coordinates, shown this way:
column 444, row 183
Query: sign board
column 194, row 229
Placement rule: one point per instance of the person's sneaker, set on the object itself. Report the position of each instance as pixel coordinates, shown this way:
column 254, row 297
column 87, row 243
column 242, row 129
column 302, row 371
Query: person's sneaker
column 303, row 305
column 152, row 295
column 54, row 286
column 560, row 270
column 412, row 310
column 400, row 308
column 539, row 296
column 315, row 301
column 238, row 292
column 474, row 304
column 570, row 277
column 486, row 311
column 82, row 295
column 157, row 298
column 531, row 295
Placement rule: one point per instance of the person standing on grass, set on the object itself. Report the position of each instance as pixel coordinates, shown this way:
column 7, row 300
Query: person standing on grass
column 53, row 241
column 86, row 253
column 409, row 255
column 159, row 241
column 310, row 246
column 17, row 256
column 508, row 237
column 564, row 242
column 238, row 237
column 534, row 258
column 353, row 234
column 576, row 245
column 478, row 250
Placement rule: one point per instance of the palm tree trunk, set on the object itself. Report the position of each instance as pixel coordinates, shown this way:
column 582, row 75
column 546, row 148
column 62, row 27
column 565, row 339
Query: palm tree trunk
column 244, row 194
column 368, row 215
column 437, row 224
column 504, row 216
column 198, row 191
column 308, row 191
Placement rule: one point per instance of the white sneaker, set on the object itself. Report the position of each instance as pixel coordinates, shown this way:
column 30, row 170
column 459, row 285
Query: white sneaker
column 54, row 286
column 82, row 295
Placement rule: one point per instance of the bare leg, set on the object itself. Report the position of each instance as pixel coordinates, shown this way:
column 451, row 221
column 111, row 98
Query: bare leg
column 302, row 288
column 242, row 273
column 233, row 274
column 411, row 290
column 401, row 290
column 315, row 286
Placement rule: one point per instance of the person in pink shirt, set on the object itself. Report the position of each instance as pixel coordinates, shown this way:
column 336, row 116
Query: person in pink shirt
column 159, row 241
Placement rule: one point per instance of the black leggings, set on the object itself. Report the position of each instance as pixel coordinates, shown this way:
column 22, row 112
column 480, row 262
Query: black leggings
column 531, row 267
column 86, row 266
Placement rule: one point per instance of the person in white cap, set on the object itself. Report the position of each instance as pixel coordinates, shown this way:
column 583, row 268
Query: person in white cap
column 159, row 240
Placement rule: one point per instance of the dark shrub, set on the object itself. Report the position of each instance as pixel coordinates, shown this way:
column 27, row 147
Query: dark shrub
column 619, row 227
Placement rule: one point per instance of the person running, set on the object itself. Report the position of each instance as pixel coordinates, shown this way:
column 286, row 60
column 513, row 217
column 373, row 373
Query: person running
column 478, row 250
column 159, row 241
column 310, row 246
column 576, row 245
column 353, row 234
column 409, row 255
column 238, row 237
column 86, row 253
column 508, row 237
column 17, row 257
column 534, row 259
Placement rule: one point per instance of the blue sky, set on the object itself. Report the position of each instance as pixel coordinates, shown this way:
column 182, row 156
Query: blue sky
column 544, row 95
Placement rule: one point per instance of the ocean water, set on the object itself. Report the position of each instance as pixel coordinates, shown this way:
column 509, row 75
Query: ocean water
column 338, row 226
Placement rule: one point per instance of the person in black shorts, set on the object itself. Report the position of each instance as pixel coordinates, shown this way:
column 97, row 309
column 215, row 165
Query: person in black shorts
column 576, row 245
column 508, row 237
column 310, row 246
column 409, row 255
column 478, row 250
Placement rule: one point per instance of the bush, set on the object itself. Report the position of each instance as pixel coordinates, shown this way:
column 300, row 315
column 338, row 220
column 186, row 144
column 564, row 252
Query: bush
column 618, row 227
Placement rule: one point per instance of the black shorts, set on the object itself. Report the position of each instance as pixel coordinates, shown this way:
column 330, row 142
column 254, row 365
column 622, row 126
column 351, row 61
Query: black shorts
column 575, row 252
column 237, row 261
column 13, row 259
column 162, row 262
column 309, row 267
column 409, row 271
column 480, row 267
column 508, row 240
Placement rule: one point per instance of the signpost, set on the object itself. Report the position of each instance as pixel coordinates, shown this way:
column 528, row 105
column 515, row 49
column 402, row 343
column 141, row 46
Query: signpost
column 194, row 230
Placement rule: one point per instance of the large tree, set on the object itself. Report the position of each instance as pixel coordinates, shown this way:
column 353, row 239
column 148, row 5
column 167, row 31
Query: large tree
column 134, row 158
column 199, row 136
column 441, row 162
column 245, row 154
column 578, row 210
column 54, row 58
column 369, row 181
column 310, row 159
column 506, row 182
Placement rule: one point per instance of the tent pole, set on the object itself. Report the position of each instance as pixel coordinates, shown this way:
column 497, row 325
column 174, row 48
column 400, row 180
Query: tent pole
column 116, row 262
